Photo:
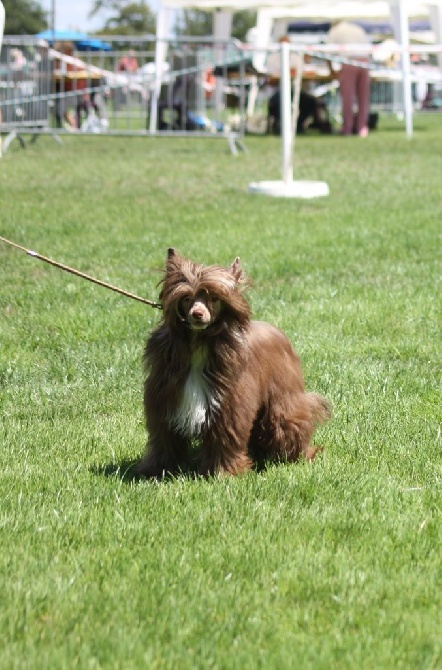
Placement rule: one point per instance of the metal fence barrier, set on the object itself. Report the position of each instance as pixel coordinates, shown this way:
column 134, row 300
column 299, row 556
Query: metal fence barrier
column 208, row 89
column 24, row 84
column 59, row 90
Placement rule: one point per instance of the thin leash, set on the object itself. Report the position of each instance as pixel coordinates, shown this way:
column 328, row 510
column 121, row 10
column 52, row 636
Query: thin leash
column 73, row 271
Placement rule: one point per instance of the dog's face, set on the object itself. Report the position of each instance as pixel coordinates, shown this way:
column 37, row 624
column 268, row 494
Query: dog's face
column 201, row 310
column 201, row 296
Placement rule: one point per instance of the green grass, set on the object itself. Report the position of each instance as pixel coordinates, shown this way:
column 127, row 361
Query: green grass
column 334, row 564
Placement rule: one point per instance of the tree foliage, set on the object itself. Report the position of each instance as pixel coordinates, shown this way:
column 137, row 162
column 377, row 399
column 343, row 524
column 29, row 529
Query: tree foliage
column 108, row 5
column 135, row 18
column 241, row 24
column 24, row 17
column 194, row 22
column 132, row 19
column 27, row 17
column 199, row 24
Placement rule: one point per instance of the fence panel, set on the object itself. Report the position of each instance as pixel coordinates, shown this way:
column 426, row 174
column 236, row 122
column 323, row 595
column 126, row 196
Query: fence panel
column 24, row 84
column 207, row 88
column 60, row 90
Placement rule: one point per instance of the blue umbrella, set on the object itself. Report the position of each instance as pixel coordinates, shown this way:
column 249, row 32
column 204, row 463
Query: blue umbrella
column 82, row 41
column 93, row 44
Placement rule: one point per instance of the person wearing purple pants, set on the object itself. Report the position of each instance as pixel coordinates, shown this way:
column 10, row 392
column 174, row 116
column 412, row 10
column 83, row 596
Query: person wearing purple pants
column 354, row 80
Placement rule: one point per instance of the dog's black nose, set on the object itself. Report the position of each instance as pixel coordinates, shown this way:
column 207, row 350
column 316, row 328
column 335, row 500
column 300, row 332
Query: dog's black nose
column 197, row 314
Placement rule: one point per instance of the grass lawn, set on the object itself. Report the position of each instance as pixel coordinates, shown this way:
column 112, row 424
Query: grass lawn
column 334, row 564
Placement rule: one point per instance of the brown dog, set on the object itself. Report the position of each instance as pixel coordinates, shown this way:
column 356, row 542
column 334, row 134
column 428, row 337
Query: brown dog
column 217, row 378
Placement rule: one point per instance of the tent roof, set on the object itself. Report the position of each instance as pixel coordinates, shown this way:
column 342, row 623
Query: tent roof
column 326, row 9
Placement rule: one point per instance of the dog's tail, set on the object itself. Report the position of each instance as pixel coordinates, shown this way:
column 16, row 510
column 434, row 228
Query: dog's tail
column 320, row 406
column 321, row 412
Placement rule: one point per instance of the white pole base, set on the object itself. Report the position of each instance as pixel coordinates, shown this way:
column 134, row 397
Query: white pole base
column 290, row 189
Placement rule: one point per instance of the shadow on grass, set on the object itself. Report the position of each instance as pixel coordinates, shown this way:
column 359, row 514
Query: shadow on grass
column 126, row 471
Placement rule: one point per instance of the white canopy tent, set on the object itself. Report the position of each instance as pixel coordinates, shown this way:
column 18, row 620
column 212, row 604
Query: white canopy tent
column 268, row 11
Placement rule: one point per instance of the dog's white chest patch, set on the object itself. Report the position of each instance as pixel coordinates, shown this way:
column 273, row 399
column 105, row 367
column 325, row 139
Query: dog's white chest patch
column 192, row 412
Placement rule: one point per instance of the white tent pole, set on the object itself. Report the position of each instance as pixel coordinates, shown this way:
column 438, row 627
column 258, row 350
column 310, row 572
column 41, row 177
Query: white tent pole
column 286, row 115
column 163, row 27
column 400, row 21
column 222, row 25
column 406, row 73
column 287, row 187
column 263, row 34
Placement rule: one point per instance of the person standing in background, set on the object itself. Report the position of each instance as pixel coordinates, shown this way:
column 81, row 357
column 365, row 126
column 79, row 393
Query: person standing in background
column 128, row 63
column 354, row 81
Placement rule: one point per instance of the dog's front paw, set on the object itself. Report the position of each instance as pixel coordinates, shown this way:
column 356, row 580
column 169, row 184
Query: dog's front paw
column 311, row 452
column 234, row 466
column 149, row 468
column 146, row 472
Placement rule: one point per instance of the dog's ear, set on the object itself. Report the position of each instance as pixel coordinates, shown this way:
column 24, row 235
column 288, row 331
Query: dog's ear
column 236, row 269
column 173, row 260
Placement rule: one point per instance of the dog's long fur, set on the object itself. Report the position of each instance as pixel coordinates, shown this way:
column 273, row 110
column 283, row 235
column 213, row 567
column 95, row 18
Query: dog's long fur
column 215, row 377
